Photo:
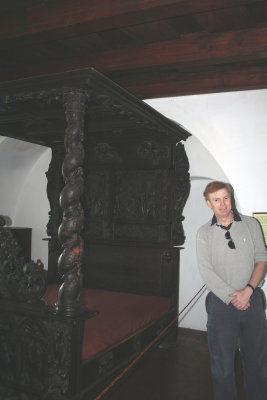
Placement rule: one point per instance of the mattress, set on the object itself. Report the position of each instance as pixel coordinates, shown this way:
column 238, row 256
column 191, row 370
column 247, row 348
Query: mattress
column 118, row 315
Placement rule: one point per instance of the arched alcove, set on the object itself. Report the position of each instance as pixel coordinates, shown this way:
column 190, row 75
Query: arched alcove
column 23, row 190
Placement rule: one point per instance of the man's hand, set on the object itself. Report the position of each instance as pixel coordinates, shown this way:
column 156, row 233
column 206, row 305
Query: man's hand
column 241, row 298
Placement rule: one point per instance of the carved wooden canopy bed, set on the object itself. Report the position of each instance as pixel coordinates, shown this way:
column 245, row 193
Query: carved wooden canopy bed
column 113, row 268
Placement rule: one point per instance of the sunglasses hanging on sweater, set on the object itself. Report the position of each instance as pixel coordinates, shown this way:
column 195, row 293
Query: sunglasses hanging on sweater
column 230, row 240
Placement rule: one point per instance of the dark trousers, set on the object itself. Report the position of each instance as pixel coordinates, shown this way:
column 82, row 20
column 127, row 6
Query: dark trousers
column 228, row 329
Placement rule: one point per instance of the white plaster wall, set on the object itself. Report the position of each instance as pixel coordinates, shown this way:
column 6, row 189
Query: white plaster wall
column 33, row 206
column 232, row 127
column 203, row 169
column 23, row 196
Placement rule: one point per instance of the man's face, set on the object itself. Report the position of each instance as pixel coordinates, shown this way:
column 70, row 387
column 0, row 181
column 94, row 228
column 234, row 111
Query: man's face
column 220, row 203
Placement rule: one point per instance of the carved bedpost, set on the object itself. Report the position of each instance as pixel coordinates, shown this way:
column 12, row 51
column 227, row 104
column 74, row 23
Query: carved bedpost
column 70, row 260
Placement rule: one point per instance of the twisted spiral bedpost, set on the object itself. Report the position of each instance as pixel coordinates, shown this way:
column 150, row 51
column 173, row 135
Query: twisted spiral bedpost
column 70, row 260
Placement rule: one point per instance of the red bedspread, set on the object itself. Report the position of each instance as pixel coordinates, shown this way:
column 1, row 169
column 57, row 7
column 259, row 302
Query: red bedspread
column 120, row 314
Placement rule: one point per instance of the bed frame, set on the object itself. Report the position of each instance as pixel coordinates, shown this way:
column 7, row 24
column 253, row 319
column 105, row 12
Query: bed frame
column 118, row 228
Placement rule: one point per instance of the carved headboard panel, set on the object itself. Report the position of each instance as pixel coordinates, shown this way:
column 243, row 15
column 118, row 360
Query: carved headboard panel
column 135, row 192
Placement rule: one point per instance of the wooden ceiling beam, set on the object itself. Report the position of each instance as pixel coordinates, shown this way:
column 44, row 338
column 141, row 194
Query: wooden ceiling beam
column 206, row 49
column 192, row 50
column 203, row 49
column 222, row 79
column 58, row 20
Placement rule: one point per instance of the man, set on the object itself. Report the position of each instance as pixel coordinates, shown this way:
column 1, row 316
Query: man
column 232, row 261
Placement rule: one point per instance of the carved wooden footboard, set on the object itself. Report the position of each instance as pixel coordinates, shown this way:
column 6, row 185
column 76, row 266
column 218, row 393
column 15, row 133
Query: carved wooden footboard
column 40, row 351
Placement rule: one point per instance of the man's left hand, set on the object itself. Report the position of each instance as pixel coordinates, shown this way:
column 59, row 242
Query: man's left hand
column 241, row 298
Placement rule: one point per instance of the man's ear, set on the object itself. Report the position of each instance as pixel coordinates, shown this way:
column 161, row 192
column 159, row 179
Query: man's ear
column 209, row 203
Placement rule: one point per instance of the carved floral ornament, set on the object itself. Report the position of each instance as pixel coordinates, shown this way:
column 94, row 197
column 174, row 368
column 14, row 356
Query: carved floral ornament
column 19, row 280
column 52, row 96
column 109, row 103
column 153, row 152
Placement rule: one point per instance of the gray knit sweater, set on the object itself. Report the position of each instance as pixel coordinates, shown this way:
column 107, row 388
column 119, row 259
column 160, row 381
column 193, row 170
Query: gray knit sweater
column 226, row 270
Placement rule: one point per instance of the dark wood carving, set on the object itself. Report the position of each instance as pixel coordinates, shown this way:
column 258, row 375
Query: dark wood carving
column 124, row 186
column 24, row 238
column 70, row 260
column 106, row 363
column 181, row 185
column 155, row 152
column 35, row 348
column 135, row 191
column 19, row 279
column 36, row 355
